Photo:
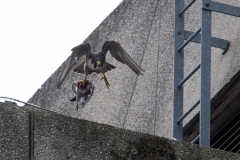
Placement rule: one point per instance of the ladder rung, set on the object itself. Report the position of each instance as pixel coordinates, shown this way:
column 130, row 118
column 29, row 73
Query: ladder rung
column 189, row 111
column 189, row 75
column 196, row 140
column 188, row 40
column 186, row 7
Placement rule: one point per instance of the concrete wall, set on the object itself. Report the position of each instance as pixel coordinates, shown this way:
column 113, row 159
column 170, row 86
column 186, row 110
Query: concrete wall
column 144, row 103
column 56, row 136
column 13, row 132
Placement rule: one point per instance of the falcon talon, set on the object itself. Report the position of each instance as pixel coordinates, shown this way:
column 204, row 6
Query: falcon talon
column 81, row 85
column 83, row 93
column 96, row 62
column 82, row 82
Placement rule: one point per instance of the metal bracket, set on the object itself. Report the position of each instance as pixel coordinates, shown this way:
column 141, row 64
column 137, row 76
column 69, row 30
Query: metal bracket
column 215, row 42
column 222, row 8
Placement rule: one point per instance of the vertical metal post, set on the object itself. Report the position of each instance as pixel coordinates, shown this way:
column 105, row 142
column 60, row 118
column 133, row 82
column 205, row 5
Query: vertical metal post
column 205, row 75
column 178, row 69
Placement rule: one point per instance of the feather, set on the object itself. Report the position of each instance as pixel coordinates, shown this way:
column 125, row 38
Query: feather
column 77, row 52
column 121, row 55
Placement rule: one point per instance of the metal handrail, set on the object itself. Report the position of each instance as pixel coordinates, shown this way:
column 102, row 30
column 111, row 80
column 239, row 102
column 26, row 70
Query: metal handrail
column 30, row 104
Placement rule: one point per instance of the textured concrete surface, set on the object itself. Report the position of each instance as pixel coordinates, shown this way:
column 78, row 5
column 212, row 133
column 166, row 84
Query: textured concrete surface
column 61, row 137
column 144, row 103
column 56, row 136
column 13, row 132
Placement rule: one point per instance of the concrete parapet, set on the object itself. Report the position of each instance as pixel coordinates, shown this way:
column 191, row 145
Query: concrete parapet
column 56, row 136
column 14, row 132
column 63, row 137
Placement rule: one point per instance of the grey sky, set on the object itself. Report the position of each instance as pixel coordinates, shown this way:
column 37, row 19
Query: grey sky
column 37, row 36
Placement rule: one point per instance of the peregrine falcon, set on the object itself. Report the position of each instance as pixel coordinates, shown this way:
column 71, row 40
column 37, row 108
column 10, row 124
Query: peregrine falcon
column 96, row 62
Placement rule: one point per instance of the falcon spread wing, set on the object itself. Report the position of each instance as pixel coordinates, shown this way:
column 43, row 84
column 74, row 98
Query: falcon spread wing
column 77, row 52
column 121, row 55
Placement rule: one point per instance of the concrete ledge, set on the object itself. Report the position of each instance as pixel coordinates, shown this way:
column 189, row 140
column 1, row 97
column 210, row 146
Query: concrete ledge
column 56, row 136
column 62, row 137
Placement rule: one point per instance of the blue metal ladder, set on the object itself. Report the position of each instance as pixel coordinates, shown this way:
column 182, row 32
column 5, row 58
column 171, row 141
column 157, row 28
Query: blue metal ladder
column 206, row 41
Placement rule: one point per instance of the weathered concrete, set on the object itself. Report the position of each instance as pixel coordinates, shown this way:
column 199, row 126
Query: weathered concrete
column 62, row 137
column 13, row 132
column 144, row 103
column 56, row 136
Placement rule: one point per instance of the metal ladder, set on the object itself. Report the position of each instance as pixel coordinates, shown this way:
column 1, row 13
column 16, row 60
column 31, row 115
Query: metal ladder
column 206, row 41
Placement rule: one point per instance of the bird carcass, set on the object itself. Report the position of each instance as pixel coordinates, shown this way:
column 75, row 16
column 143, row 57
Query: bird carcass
column 83, row 93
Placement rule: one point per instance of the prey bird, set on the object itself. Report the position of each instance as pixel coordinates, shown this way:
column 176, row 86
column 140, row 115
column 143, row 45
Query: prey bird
column 82, row 92
column 96, row 62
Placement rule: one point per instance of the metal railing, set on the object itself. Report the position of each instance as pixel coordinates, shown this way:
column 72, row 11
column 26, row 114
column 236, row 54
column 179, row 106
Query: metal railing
column 26, row 103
